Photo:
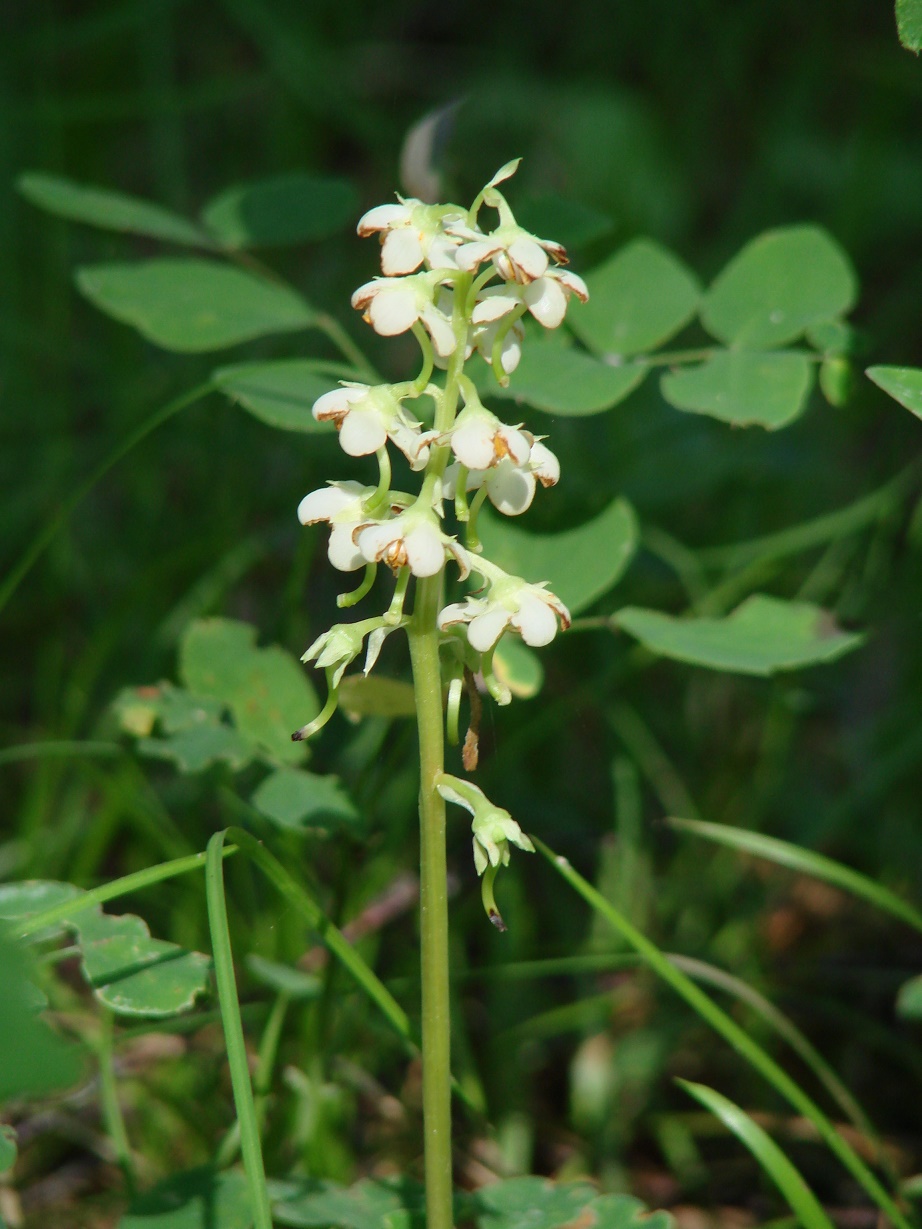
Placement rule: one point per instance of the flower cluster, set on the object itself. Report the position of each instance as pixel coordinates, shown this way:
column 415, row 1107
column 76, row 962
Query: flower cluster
column 462, row 289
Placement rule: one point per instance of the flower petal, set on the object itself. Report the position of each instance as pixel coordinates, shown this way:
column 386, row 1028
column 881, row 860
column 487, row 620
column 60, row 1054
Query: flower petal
column 402, row 252
column 362, row 432
column 425, row 552
column 546, row 301
column 382, row 217
column 393, row 311
column 528, row 257
column 486, row 628
column 472, row 443
column 323, row 504
column 535, row 621
column 342, row 551
column 510, row 490
column 544, row 465
column 440, row 330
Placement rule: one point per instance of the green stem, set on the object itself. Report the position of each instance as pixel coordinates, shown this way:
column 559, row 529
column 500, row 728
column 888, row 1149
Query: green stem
column 424, row 654
column 108, row 1096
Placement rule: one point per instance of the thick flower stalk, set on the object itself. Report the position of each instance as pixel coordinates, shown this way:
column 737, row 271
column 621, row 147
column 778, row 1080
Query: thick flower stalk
column 463, row 282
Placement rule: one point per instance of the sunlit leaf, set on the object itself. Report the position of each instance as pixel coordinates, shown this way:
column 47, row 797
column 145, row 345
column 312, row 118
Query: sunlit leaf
column 580, row 564
column 28, row 896
column 199, row 1199
column 133, row 974
column 518, row 667
column 762, row 636
column 639, row 298
column 201, row 747
column 266, row 689
column 33, row 1059
column 625, row 1212
column 192, row 305
column 295, row 208
column 281, row 393
column 366, row 1205
column 532, row 1203
column 297, row 800
column 772, row 1160
column 909, row 24
column 777, row 286
column 108, row 209
column 746, row 388
column 904, row 384
column 559, row 379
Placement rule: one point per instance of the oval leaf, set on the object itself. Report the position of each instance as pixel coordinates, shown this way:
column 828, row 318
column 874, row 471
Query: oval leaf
column 533, row 1203
column 199, row 1199
column 743, row 388
column 560, row 379
column 366, row 1205
column 286, row 209
column 193, row 305
column 909, row 24
column 904, row 384
column 518, row 667
column 762, row 636
column 639, row 298
column 297, row 800
column 201, row 747
column 909, row 999
column 777, row 286
column 282, row 393
column 107, row 209
column 579, row 564
column 773, row 1161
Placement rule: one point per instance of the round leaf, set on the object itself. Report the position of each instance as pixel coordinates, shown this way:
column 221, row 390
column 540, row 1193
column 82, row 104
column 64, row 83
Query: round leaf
column 107, row 209
column 518, row 667
column 281, row 393
column 366, row 1205
column 743, row 387
column 295, row 799
column 777, row 286
column 193, row 305
column 909, row 24
column 533, row 1203
column 762, row 636
column 287, row 209
column 904, row 384
column 580, row 564
column 560, row 379
column 200, row 747
column 199, row 1199
column 569, row 222
column 909, row 999
column 639, row 298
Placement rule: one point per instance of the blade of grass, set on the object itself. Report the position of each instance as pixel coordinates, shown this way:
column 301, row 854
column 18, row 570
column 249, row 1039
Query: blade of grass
column 250, row 1145
column 805, row 861
column 736, row 1036
column 46, row 536
column 773, row 1161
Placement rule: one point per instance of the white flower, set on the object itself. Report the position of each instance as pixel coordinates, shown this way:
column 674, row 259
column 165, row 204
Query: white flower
column 530, row 610
column 367, row 417
column 546, row 298
column 479, row 440
column 343, row 643
column 414, row 539
column 483, row 339
column 493, row 827
column 517, row 255
column 393, row 305
column 411, row 233
column 510, row 487
column 342, row 504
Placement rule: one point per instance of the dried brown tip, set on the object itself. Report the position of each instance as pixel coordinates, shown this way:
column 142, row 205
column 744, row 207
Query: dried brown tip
column 297, row 736
column 497, row 919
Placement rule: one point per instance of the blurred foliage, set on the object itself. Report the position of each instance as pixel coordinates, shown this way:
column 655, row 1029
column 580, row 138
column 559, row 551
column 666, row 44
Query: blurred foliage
column 695, row 126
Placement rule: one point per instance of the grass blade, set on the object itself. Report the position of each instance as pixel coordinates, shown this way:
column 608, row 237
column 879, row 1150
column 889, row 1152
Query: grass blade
column 805, row 861
column 250, row 1146
column 736, row 1036
column 788, row 1180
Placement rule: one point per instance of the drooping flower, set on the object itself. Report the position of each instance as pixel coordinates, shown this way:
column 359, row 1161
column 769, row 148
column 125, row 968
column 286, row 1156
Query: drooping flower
column 493, row 827
column 414, row 539
column 342, row 505
column 510, row 487
column 530, row 610
column 391, row 305
column 366, row 417
column 517, row 254
column 480, row 440
column 411, row 233
column 546, row 298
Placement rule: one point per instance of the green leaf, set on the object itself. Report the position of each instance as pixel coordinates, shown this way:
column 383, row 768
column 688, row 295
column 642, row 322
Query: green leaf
column 743, row 387
column 295, row 208
column 806, row 862
column 133, row 974
column 284, row 978
column 376, row 696
column 297, row 800
column 580, row 564
column 532, row 1203
column 281, row 393
column 138, row 709
column 518, row 667
column 193, row 305
column 559, row 379
column 266, row 690
column 762, row 636
column 18, row 900
column 107, row 209
column 909, row 999
column 836, row 380
column 777, row 286
column 625, row 1212
column 773, row 1161
column 639, row 298
column 904, row 384
column 909, row 24
column 366, row 1205
column 201, row 747
column 33, row 1059
column 8, row 1147
column 199, row 1199
column 569, row 222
